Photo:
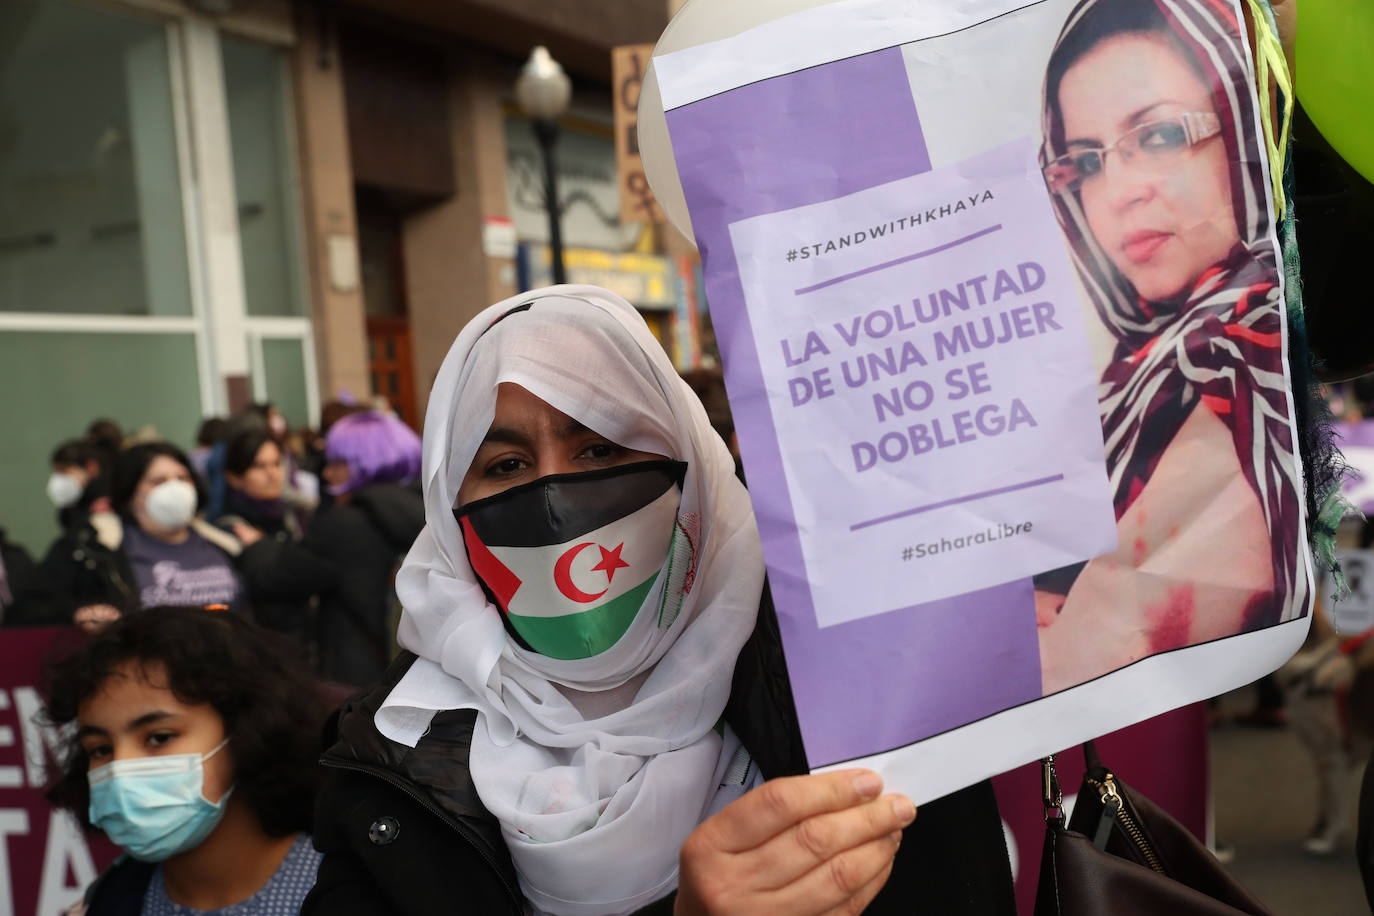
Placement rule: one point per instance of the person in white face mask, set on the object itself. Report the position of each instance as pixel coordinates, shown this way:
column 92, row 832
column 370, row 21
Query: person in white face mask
column 193, row 751
column 150, row 550
column 79, row 483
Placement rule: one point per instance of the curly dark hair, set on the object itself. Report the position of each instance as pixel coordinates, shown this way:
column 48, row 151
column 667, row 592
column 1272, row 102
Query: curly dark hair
column 272, row 707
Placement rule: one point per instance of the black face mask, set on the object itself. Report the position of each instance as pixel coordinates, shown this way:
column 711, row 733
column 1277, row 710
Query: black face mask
column 570, row 558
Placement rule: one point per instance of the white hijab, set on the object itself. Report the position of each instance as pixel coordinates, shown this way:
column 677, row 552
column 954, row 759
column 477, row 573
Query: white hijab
column 593, row 810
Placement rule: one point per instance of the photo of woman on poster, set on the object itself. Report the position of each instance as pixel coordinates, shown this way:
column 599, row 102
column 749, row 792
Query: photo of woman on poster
column 1153, row 157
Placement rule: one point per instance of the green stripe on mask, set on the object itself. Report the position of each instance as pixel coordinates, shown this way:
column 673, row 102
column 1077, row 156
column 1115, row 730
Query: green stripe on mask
column 587, row 633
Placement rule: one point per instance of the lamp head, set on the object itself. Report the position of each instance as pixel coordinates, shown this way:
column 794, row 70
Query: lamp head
column 542, row 90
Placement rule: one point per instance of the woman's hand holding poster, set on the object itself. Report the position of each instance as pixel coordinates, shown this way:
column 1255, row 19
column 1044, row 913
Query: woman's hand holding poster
column 996, row 289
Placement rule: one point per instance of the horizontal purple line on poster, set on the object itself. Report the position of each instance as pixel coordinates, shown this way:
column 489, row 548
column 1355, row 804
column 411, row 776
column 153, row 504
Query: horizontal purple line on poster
column 970, row 497
column 895, row 261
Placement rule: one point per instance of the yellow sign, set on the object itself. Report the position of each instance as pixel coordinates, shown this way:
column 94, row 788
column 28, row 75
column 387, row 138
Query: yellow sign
column 646, row 280
column 637, row 203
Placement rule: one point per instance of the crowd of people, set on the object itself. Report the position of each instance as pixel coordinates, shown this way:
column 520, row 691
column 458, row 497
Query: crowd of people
column 591, row 761
column 300, row 532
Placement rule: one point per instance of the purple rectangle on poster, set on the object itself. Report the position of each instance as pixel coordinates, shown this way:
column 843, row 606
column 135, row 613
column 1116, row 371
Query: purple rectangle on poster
column 798, row 140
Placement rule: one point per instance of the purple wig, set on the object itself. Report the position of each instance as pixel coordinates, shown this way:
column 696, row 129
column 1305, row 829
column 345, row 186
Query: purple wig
column 376, row 446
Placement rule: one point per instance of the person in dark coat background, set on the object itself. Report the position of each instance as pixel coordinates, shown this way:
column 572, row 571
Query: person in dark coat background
column 372, row 463
column 24, row 598
column 282, row 577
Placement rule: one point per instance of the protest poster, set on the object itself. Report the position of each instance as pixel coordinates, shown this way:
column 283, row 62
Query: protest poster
column 46, row 859
column 997, row 294
column 1352, row 613
column 1357, row 445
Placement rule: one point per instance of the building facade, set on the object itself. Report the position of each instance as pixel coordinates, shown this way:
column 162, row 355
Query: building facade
column 152, row 253
column 206, row 203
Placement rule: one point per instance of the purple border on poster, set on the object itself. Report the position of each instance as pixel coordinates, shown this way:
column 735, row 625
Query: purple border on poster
column 781, row 143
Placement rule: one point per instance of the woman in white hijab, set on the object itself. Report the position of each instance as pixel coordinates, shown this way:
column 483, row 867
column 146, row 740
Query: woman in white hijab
column 588, row 577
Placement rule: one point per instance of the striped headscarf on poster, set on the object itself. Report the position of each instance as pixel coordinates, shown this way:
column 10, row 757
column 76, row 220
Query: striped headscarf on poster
column 1220, row 344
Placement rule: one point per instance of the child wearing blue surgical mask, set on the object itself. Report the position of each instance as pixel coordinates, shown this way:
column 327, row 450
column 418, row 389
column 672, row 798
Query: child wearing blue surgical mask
column 193, row 750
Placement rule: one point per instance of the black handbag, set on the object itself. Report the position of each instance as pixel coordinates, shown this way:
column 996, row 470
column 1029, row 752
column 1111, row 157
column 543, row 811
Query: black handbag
column 1122, row 855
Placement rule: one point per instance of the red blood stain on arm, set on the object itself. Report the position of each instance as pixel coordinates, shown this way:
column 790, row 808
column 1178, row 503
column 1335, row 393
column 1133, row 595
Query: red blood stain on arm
column 1171, row 622
column 1048, row 606
column 1139, row 551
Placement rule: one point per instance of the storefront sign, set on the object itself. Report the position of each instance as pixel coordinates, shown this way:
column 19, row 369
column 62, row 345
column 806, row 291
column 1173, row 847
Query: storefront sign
column 627, row 76
column 588, row 196
column 645, row 280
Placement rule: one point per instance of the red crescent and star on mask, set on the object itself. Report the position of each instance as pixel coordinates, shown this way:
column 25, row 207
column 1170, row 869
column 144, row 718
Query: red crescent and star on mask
column 562, row 570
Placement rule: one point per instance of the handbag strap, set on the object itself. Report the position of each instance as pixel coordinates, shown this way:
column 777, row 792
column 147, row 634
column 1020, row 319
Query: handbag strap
column 1090, row 758
column 1051, row 793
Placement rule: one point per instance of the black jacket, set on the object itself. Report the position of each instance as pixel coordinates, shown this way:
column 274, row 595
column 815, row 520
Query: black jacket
column 282, row 578
column 86, row 565
column 29, row 601
column 404, row 832
column 364, row 540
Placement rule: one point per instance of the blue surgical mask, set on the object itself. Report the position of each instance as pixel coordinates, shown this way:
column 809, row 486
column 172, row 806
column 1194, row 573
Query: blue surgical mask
column 153, row 807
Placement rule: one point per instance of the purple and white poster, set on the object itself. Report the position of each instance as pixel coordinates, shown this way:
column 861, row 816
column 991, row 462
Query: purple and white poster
column 912, row 322
column 997, row 291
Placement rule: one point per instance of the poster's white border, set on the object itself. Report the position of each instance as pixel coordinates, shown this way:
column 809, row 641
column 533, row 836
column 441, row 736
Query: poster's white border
column 790, row 43
column 937, row 766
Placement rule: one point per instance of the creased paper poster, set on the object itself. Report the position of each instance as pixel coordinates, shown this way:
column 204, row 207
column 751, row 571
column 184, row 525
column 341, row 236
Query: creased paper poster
column 998, row 295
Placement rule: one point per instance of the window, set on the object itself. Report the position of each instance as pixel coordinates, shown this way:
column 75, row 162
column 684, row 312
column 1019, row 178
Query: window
column 91, row 217
column 140, row 381
column 265, row 184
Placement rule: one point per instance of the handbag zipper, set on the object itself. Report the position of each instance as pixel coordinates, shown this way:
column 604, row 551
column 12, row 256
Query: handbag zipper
column 1114, row 809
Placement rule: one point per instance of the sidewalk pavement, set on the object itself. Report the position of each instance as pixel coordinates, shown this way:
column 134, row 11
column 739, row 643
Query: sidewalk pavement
column 1264, row 794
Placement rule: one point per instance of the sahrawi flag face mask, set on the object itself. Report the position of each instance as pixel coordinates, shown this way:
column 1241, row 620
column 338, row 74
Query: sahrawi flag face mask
column 570, row 558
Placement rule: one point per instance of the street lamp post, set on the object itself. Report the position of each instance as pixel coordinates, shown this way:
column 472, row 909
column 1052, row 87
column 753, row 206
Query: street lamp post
column 543, row 90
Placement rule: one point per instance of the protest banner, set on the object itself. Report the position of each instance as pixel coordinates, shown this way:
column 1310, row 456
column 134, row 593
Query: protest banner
column 46, row 860
column 997, row 294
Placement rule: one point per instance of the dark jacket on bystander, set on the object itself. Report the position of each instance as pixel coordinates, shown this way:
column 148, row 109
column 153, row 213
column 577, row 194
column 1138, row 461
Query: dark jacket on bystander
column 364, row 539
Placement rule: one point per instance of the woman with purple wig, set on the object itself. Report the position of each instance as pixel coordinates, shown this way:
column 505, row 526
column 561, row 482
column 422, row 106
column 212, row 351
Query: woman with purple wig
column 372, row 463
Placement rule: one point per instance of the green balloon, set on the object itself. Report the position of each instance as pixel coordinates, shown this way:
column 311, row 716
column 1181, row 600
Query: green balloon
column 1336, row 75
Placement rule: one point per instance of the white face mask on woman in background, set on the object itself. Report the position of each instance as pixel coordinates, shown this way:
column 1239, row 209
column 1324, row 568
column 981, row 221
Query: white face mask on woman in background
column 171, row 504
column 65, row 489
